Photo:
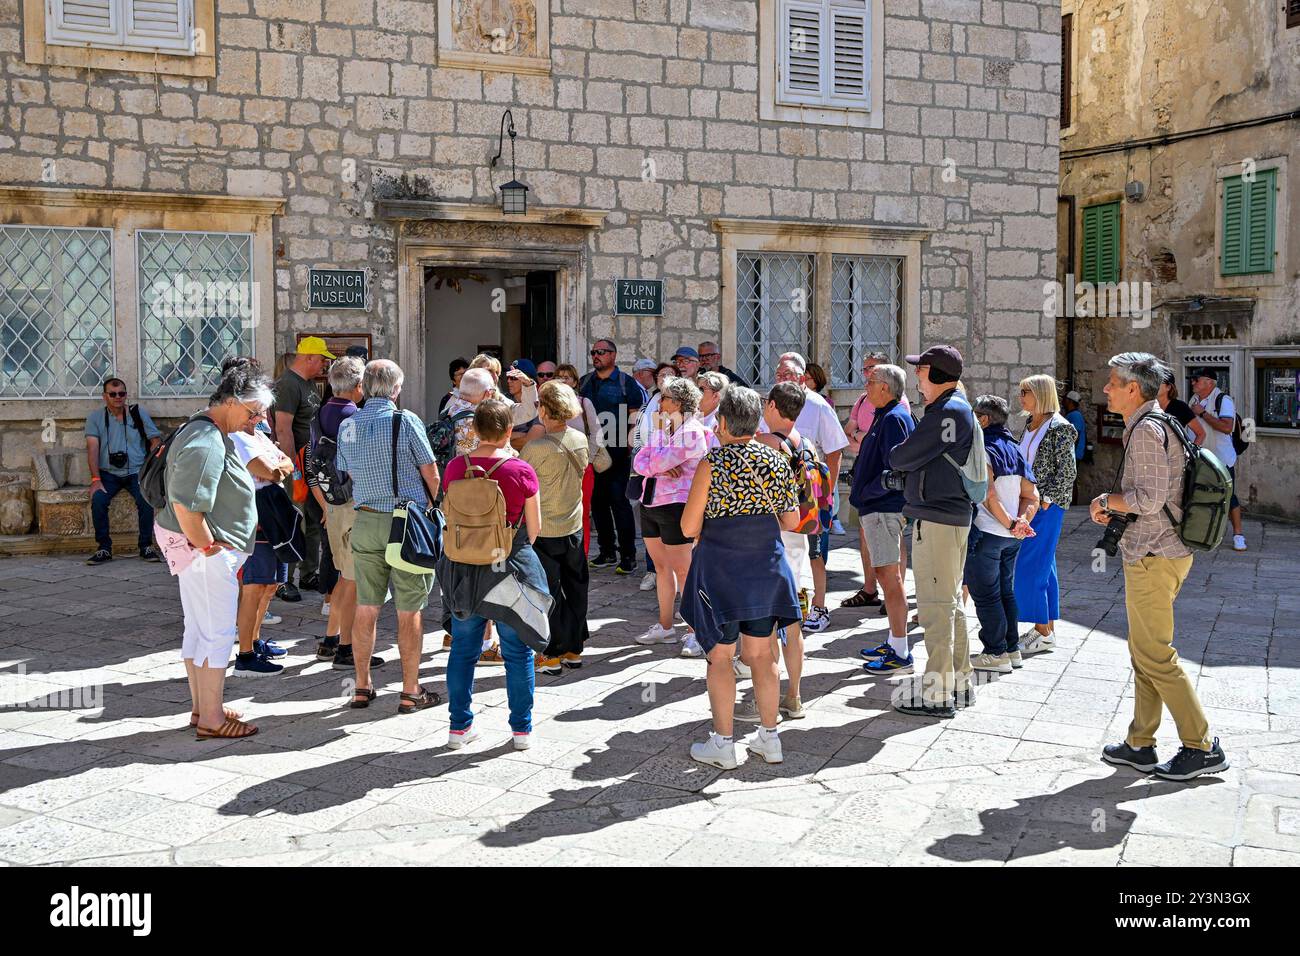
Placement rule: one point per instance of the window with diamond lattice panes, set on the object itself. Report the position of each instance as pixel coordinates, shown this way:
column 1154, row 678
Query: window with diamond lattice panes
column 774, row 311
column 56, row 311
column 865, row 310
column 197, row 308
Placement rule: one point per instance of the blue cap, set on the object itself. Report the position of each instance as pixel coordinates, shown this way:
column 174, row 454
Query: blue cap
column 687, row 352
column 526, row 366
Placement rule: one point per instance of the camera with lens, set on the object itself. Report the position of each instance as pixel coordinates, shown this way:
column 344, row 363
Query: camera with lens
column 893, row 480
column 117, row 459
column 1115, row 529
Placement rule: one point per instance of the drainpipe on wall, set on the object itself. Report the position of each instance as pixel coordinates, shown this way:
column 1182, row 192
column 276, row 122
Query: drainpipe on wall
column 1069, row 268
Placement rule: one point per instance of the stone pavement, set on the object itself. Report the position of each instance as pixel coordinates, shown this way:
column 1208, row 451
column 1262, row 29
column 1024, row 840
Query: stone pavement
column 95, row 766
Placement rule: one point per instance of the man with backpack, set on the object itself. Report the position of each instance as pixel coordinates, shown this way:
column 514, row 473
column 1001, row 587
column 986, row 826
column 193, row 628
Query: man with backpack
column 118, row 439
column 1217, row 412
column 1157, row 560
column 938, row 502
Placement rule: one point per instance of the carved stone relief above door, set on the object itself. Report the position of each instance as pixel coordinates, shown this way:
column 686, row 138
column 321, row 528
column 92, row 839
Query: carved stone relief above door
column 512, row 36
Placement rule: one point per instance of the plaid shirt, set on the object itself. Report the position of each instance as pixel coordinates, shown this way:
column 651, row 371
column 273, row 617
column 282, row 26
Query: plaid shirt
column 366, row 454
column 1152, row 478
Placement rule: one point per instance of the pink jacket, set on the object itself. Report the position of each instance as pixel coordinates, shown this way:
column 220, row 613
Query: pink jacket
column 685, row 449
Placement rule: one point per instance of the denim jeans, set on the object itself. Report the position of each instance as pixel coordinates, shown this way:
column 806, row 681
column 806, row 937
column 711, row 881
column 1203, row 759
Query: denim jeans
column 100, row 501
column 466, row 646
column 990, row 575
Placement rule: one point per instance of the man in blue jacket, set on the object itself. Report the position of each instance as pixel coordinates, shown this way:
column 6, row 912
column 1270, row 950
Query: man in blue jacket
column 880, row 511
column 937, row 502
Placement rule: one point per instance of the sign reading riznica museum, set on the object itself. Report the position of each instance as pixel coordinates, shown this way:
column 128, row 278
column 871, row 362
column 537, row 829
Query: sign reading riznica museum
column 639, row 297
column 337, row 289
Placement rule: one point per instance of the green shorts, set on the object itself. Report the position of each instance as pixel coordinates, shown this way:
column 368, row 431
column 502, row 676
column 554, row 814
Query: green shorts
column 373, row 574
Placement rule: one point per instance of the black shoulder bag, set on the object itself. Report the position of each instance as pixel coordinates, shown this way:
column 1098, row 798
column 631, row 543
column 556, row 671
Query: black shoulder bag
column 415, row 538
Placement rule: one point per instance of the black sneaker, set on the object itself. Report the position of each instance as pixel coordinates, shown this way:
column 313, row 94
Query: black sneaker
column 309, row 582
column 626, row 566
column 100, row 556
column 1139, row 758
column 254, row 665
column 602, row 561
column 326, row 648
column 919, row 708
column 964, row 697
column 344, row 660
column 1189, row 763
column 150, row 553
column 287, row 592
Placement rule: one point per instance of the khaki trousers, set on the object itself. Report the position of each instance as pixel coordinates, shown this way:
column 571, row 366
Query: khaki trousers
column 1150, row 586
column 938, row 559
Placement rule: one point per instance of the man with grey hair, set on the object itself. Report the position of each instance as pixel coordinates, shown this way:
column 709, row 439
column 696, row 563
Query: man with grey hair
column 819, row 423
column 711, row 361
column 366, row 452
column 1156, row 563
column 880, row 511
column 475, row 385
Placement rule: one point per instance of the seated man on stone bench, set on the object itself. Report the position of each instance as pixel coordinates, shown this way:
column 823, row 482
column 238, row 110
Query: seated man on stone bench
column 118, row 437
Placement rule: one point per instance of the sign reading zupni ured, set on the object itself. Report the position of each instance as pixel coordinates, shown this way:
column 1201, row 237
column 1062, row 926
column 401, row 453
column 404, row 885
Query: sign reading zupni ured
column 639, row 297
column 337, row 289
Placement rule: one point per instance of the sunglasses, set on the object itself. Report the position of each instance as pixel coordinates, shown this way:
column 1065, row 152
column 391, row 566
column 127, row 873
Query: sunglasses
column 595, row 352
column 116, row 394
column 545, row 376
column 1025, row 391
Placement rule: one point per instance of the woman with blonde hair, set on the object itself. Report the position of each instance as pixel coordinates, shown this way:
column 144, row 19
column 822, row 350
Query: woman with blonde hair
column 1048, row 446
column 588, row 422
column 559, row 456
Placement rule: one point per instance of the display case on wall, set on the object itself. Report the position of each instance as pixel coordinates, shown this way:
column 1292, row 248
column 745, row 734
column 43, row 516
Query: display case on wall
column 1277, row 392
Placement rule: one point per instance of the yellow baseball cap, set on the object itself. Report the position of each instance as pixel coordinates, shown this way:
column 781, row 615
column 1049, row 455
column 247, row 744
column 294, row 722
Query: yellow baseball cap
column 314, row 345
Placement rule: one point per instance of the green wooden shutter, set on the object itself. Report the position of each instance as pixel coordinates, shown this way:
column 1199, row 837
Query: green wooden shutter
column 1249, row 224
column 1101, row 243
column 1234, row 220
column 1260, row 206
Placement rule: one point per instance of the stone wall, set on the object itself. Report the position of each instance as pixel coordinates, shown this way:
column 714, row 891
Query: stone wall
column 329, row 102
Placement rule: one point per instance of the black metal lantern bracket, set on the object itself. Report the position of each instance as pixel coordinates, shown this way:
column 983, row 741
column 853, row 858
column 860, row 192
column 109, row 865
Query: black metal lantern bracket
column 514, row 194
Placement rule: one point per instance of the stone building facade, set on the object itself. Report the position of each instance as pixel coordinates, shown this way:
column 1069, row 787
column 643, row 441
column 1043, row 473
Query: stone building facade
column 892, row 196
column 1178, row 164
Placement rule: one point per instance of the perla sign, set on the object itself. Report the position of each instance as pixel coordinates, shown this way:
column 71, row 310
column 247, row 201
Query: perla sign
column 638, row 297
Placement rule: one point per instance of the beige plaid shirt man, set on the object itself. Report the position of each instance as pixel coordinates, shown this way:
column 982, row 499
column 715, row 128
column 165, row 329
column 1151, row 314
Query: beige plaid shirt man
column 1153, row 478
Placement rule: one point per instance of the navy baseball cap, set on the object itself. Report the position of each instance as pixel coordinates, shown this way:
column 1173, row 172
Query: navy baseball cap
column 943, row 357
column 526, row 366
column 687, row 352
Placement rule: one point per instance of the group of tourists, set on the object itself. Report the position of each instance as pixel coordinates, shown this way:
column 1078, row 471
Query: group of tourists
column 734, row 494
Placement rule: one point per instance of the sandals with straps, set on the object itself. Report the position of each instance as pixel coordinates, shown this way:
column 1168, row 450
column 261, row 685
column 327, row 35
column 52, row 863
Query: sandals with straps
column 361, row 698
column 230, row 714
column 231, row 729
column 862, row 599
column 410, row 703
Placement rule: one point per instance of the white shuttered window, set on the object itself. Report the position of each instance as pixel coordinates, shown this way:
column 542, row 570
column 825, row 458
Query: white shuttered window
column 825, row 53
column 151, row 25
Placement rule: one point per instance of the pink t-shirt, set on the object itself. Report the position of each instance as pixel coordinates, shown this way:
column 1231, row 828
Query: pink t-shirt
column 685, row 449
column 863, row 414
column 516, row 477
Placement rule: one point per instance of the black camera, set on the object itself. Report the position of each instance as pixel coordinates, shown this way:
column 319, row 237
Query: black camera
column 893, row 480
column 1115, row 529
column 117, row 459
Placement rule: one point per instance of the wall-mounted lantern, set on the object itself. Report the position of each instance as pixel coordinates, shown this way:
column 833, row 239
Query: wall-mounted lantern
column 514, row 194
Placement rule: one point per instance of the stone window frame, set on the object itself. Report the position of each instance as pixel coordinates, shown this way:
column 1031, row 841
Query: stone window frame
column 822, row 242
column 850, row 117
column 202, row 62
column 126, row 213
column 539, row 65
column 1281, row 226
column 1070, row 8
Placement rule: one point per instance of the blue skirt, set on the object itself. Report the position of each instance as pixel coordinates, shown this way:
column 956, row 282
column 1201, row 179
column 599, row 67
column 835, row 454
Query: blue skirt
column 1037, row 592
column 738, row 573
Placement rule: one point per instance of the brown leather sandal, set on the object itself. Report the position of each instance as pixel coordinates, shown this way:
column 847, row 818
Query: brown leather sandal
column 230, row 712
column 425, row 699
column 361, row 698
column 863, row 598
column 231, row 729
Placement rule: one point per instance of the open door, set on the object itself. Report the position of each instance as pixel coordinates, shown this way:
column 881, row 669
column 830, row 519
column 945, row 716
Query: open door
column 539, row 339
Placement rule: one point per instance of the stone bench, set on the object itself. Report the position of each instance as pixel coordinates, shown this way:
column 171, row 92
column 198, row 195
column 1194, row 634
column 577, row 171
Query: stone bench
column 66, row 512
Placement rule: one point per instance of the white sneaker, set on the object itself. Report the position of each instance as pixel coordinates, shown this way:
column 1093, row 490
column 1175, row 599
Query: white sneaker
column 270, row 618
column 325, row 609
column 1238, row 542
column 648, row 582
column 769, row 748
column 657, row 635
column 998, row 664
column 691, row 647
column 836, row 527
column 1035, row 643
column 1017, row 661
column 522, row 741
column 741, row 668
column 717, row 753
column 818, row 620
column 1049, row 639
column 459, row 738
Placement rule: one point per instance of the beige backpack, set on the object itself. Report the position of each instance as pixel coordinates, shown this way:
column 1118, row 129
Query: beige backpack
column 475, row 509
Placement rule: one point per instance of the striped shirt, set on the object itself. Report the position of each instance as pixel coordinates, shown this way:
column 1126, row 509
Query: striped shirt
column 1153, row 478
column 366, row 454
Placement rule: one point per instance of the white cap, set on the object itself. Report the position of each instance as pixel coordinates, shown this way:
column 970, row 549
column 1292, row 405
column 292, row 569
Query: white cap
column 1073, row 396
